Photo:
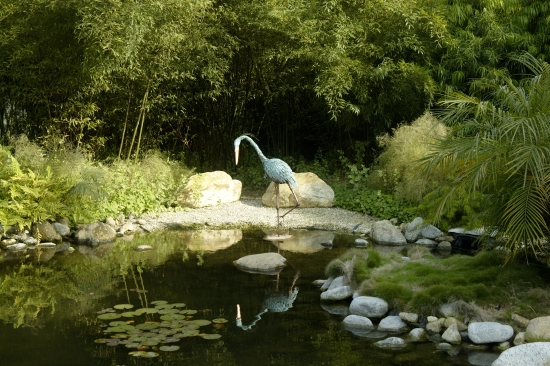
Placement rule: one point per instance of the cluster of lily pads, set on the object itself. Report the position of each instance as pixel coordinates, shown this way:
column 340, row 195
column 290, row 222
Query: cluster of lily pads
column 151, row 336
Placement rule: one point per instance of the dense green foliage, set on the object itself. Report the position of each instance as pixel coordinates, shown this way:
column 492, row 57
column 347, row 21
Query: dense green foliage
column 500, row 146
column 37, row 185
column 319, row 82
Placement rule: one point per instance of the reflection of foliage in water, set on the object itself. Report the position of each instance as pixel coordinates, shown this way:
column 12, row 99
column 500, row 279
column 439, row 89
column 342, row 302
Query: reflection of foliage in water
column 29, row 291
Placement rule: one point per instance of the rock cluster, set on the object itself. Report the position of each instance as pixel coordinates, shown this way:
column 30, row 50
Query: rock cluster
column 370, row 317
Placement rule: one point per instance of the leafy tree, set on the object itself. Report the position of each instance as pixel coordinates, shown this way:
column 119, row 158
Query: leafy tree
column 499, row 145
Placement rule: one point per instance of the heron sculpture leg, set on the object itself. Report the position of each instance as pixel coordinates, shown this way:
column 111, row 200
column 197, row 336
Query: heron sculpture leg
column 280, row 219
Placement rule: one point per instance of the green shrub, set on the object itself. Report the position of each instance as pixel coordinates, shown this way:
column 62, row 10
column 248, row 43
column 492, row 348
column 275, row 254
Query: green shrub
column 395, row 294
column 399, row 170
column 373, row 202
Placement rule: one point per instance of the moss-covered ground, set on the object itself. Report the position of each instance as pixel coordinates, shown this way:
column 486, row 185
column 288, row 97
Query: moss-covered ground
column 423, row 283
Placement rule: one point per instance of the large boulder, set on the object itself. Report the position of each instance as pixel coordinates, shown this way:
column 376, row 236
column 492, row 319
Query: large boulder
column 489, row 332
column 371, row 307
column 270, row 263
column 95, row 233
column 532, row 354
column 209, row 189
column 538, row 330
column 385, row 233
column 46, row 232
column 312, row 191
column 413, row 229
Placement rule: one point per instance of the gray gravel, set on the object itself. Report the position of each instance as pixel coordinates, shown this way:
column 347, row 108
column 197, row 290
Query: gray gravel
column 251, row 213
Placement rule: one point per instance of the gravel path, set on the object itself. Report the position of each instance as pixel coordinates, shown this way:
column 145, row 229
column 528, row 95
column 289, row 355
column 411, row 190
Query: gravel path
column 249, row 212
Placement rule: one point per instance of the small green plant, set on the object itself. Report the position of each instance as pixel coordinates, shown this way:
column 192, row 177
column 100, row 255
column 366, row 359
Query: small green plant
column 373, row 202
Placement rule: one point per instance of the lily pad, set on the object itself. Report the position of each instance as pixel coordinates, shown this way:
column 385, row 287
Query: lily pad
column 179, row 305
column 171, row 340
column 169, row 348
column 201, row 322
column 123, row 306
column 132, row 345
column 101, row 340
column 147, row 326
column 130, row 314
column 150, row 355
column 137, row 353
column 219, row 320
column 171, row 317
column 109, row 316
column 159, row 302
column 211, row 336
column 146, row 311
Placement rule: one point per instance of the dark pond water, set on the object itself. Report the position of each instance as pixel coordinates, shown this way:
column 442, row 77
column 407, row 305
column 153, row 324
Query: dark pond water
column 49, row 311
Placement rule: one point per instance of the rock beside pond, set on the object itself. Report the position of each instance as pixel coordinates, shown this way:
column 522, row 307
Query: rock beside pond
column 418, row 335
column 210, row 189
column 538, row 330
column 357, row 322
column 337, row 282
column 431, row 232
column 44, row 251
column 371, row 307
column 427, row 243
column 489, row 332
column 338, row 293
column 532, row 354
column 361, row 243
column 311, row 191
column 452, row 335
column 409, row 317
column 392, row 324
column 413, row 229
column 385, row 233
column 95, row 234
column 61, row 229
column 261, row 263
column 46, row 231
column 327, row 283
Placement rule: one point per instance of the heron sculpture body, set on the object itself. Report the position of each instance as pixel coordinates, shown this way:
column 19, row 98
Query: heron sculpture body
column 276, row 170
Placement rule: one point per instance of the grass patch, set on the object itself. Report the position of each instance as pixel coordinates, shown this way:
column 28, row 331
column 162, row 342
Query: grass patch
column 424, row 284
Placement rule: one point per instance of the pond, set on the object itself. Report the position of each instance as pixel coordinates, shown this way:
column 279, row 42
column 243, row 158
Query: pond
column 50, row 311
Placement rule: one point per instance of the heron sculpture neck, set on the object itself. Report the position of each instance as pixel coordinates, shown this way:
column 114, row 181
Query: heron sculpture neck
column 251, row 142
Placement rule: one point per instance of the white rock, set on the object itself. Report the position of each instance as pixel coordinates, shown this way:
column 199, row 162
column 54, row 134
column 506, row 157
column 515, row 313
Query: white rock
column 337, row 282
column 209, row 189
column 489, row 332
column 529, row 354
column 418, row 335
column 338, row 293
column 327, row 283
column 262, row 263
column 413, row 229
column 409, row 317
column 392, row 324
column 385, row 233
column 357, row 322
column 519, row 339
column 371, row 307
column 431, row 232
column 452, row 335
column 538, row 330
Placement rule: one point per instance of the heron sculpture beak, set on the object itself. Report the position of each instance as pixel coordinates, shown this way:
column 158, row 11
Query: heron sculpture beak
column 237, row 155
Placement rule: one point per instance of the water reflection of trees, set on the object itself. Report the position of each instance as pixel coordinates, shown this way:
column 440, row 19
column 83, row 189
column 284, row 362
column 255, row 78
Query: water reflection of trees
column 30, row 292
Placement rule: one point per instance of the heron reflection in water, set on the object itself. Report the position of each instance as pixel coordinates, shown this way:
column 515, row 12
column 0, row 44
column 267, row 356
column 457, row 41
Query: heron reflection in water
column 275, row 301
